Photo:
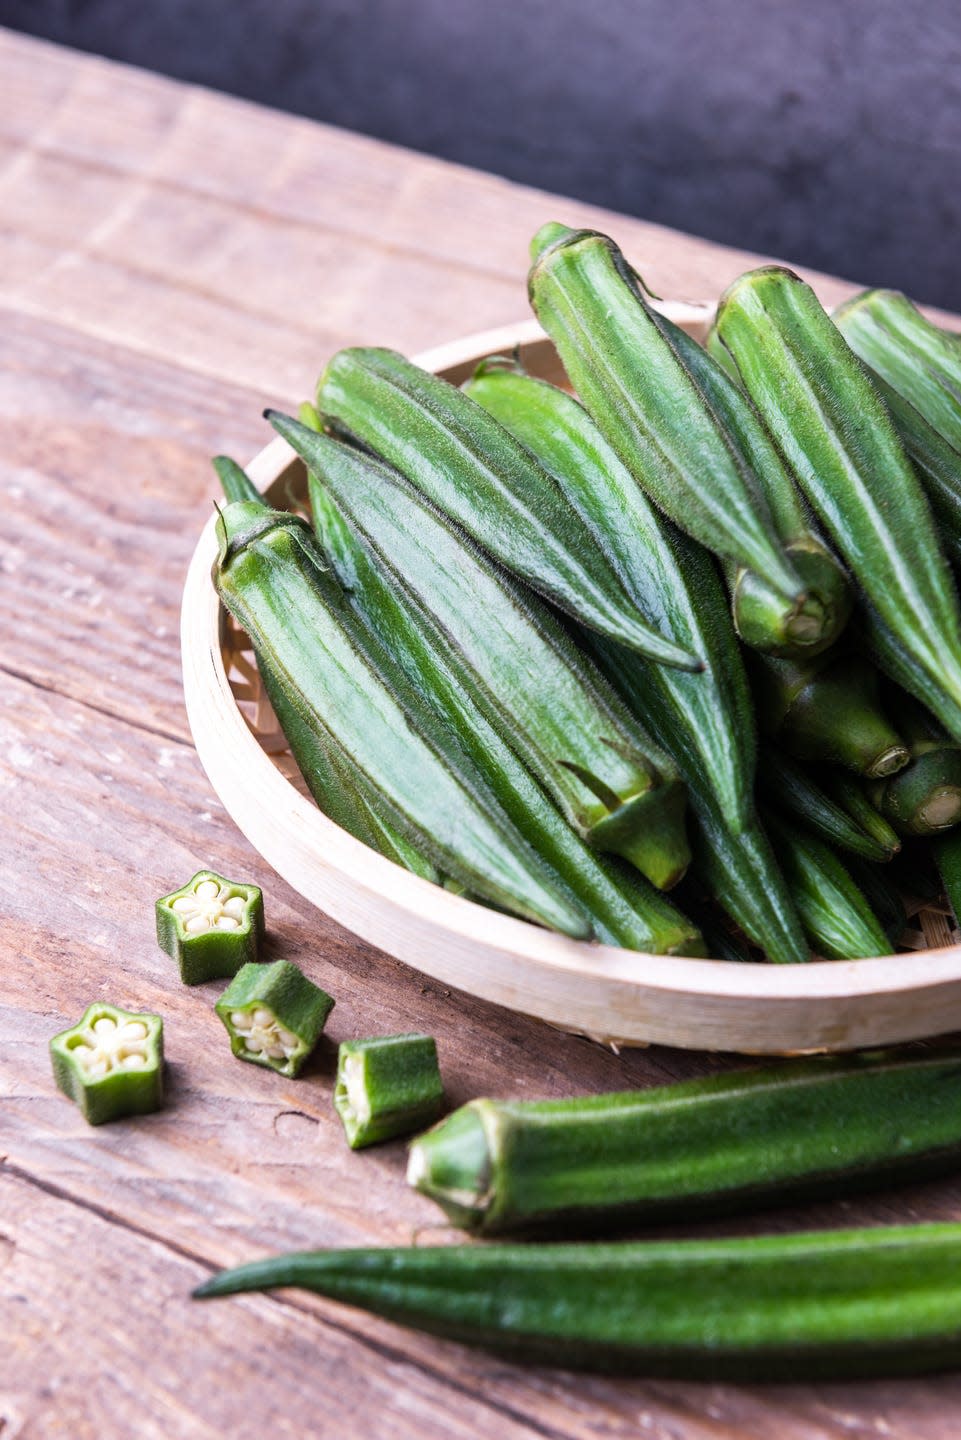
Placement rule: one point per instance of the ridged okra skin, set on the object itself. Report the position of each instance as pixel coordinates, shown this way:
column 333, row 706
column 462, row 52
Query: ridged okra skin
column 387, row 1086
column 737, row 866
column 761, row 617
column 111, row 1063
column 831, row 1304
column 623, row 908
column 676, row 575
column 473, row 470
column 718, row 1144
column 633, row 383
column 795, row 793
column 837, row 918
column 831, row 425
column 615, row 785
column 349, row 691
column 828, row 710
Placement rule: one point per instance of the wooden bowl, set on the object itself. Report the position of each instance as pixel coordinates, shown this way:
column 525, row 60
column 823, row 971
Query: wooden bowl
column 619, row 996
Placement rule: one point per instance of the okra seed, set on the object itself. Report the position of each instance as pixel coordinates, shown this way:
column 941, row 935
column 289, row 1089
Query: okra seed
column 261, row 1016
column 240, row 1020
column 134, row 1061
column 263, row 1034
column 207, row 890
column 104, row 1025
column 210, row 907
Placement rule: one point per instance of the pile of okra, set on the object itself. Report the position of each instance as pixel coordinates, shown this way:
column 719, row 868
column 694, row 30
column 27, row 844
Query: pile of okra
column 688, row 625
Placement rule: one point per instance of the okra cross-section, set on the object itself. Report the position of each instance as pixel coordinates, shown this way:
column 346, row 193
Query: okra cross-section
column 211, row 927
column 274, row 1015
column 111, row 1063
column 387, row 1086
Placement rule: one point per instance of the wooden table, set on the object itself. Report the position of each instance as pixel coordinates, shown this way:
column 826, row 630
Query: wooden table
column 170, row 262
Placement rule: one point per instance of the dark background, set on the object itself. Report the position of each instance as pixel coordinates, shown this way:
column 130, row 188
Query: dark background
column 827, row 132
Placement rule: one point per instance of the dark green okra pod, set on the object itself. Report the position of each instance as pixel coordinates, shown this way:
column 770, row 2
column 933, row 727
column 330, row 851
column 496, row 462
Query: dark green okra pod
column 880, row 1301
column 632, row 381
column 827, row 710
column 836, row 916
column 110, row 1063
column 761, row 617
column 721, row 1143
column 713, row 707
column 387, row 1086
column 623, row 908
column 274, row 1015
column 211, row 926
column 947, row 854
column 849, row 793
column 477, row 474
column 356, row 700
column 925, row 797
column 834, row 431
column 795, row 793
column 619, row 790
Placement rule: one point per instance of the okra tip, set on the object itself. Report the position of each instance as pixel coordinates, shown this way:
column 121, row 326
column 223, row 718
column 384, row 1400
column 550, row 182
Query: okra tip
column 236, row 483
column 549, row 236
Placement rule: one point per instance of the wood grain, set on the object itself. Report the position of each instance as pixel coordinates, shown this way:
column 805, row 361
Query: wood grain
column 170, row 261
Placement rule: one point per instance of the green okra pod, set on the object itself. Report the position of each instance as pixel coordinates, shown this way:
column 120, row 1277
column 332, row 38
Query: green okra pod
column 836, row 916
column 110, row 1063
column 678, row 580
column 840, row 1303
column 947, row 854
column 274, row 1015
column 356, row 700
column 717, row 1144
column 623, row 909
column 210, row 926
column 925, row 797
column 615, row 785
column 795, row 793
column 387, row 1086
column 828, row 710
column 836, row 434
column 761, row 617
column 476, row 473
column 631, row 379
column 850, row 794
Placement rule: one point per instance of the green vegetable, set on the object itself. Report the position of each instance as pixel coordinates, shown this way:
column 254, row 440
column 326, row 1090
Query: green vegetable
column 947, row 854
column 360, row 708
column 849, row 793
column 879, row 888
column 762, row 619
column 797, row 795
column 881, row 1301
column 836, row 917
column 211, row 926
column 837, row 436
column 716, row 1144
column 736, row 864
column 477, row 474
column 542, row 695
column 671, row 573
column 623, row 909
column 828, row 711
column 274, row 1015
column 631, row 379
column 110, row 1063
column 387, row 1086
column 925, row 797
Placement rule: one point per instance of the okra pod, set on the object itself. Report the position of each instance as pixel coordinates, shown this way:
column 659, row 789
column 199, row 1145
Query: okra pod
column 761, row 617
column 841, row 1303
column 880, row 890
column 387, row 1086
column 623, row 909
column 791, row 790
column 356, row 700
column 619, row 790
column 827, row 710
column 850, row 794
column 736, row 864
column 837, row 918
column 925, row 797
column 717, row 1144
column 473, row 470
column 274, row 1015
column 835, row 433
column 631, row 379
column 947, row 854
column 676, row 578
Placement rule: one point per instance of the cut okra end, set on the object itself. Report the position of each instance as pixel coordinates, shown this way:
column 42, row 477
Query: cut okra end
column 110, row 1063
column 211, row 926
column 274, row 1015
column 387, row 1086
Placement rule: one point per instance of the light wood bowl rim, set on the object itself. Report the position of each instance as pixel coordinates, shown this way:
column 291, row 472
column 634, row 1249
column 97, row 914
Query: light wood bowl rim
column 618, row 996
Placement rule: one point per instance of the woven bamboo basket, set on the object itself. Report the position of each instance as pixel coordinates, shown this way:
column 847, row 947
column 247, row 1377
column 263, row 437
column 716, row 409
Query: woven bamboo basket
column 618, row 996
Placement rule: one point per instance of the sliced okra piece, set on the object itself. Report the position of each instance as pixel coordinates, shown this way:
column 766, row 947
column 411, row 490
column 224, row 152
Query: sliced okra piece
column 387, row 1086
column 274, row 1015
column 211, row 927
column 110, row 1063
